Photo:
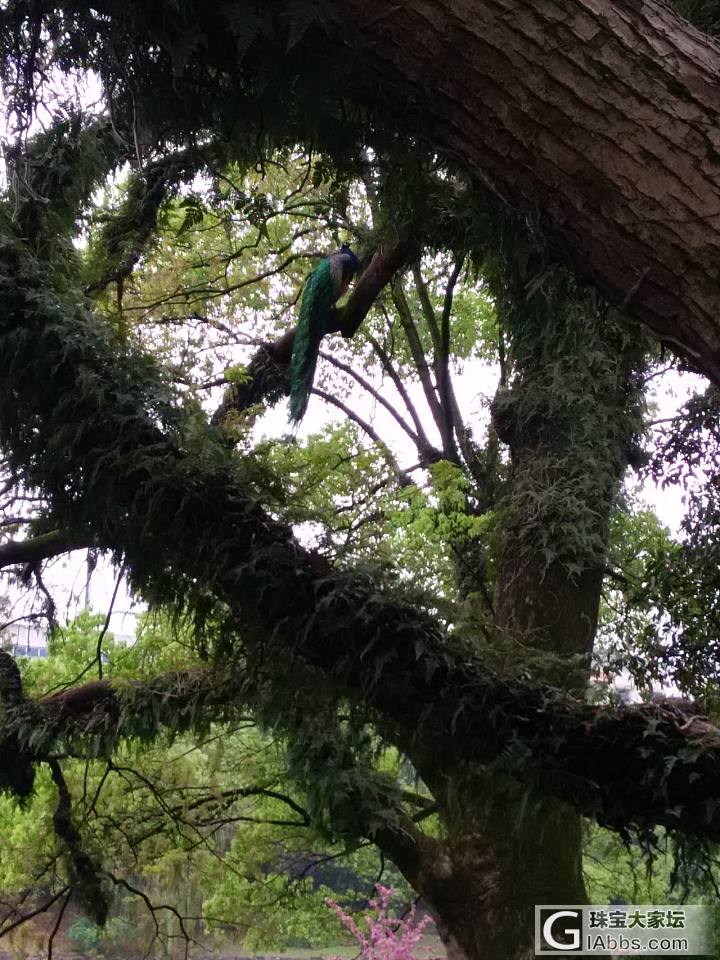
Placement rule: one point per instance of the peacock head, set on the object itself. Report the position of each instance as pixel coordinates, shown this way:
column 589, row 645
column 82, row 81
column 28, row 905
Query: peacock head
column 351, row 264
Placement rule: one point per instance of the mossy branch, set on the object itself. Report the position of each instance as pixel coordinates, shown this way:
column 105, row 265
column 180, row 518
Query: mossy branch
column 628, row 767
column 42, row 547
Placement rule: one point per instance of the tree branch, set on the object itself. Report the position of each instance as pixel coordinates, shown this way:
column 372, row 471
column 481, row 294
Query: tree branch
column 423, row 370
column 626, row 767
column 427, row 453
column 375, row 394
column 368, row 429
column 86, row 881
column 31, row 914
column 42, row 547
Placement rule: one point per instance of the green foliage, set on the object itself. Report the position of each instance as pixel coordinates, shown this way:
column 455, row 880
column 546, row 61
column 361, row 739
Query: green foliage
column 165, row 813
column 339, row 485
column 670, row 603
column 571, row 412
column 621, row 872
column 475, row 329
column 85, row 933
column 237, row 66
column 276, row 891
column 345, row 495
column 123, row 232
column 274, row 912
column 428, row 525
column 237, row 374
column 83, row 153
column 127, row 461
column 27, row 844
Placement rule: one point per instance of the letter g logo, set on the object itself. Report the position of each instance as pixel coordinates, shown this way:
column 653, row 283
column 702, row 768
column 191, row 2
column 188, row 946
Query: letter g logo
column 569, row 932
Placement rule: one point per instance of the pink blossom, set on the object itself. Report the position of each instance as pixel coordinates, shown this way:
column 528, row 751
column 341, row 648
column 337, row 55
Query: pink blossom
column 390, row 938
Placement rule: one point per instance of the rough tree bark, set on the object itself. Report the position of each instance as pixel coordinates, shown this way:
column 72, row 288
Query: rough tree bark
column 599, row 120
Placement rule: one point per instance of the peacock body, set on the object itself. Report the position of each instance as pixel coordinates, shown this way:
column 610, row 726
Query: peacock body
column 324, row 287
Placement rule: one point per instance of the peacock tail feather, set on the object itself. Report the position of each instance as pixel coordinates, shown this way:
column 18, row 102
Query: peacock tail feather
column 323, row 287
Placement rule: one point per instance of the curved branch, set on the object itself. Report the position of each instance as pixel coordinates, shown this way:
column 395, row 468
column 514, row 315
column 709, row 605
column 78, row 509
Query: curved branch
column 31, row 914
column 124, row 237
column 423, row 370
column 375, row 394
column 425, row 449
column 86, row 880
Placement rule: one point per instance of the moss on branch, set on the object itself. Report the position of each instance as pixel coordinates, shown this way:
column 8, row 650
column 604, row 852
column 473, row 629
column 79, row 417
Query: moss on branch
column 95, row 427
column 628, row 768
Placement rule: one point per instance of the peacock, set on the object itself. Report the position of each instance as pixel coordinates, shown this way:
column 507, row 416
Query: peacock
column 324, row 287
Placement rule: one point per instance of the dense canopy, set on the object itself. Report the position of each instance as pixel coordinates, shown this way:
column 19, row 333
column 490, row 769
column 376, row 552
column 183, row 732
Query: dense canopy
column 527, row 186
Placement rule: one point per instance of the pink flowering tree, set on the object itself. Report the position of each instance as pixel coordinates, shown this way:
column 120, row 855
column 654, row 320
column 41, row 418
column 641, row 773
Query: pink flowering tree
column 388, row 938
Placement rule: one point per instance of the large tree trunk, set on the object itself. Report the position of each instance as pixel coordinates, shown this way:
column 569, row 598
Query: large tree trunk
column 483, row 882
column 510, row 848
column 599, row 120
column 518, row 853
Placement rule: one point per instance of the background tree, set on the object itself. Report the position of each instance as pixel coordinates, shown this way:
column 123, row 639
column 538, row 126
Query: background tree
column 342, row 662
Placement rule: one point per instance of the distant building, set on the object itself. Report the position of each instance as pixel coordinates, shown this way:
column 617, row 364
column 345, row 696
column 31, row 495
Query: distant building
column 25, row 639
